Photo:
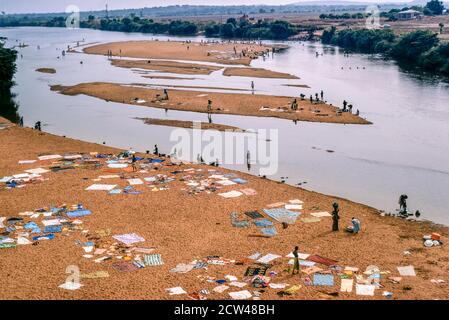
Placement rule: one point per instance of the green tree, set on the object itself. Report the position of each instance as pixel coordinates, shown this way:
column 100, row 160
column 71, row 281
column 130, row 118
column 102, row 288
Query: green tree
column 8, row 107
column 412, row 45
column 435, row 6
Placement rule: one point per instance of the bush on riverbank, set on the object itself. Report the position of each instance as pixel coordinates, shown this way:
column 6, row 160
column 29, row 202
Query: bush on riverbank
column 415, row 49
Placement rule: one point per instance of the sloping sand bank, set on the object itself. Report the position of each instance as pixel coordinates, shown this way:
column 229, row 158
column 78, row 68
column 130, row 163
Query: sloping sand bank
column 222, row 103
column 257, row 73
column 166, row 66
column 226, row 53
column 183, row 227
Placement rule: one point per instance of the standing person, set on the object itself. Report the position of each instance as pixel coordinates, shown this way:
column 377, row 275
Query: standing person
column 295, row 260
column 156, row 150
column 209, row 105
column 345, row 103
column 403, row 204
column 322, row 95
column 21, row 121
column 294, row 105
column 134, row 164
column 252, row 86
column 357, row 113
column 335, row 217
column 311, row 99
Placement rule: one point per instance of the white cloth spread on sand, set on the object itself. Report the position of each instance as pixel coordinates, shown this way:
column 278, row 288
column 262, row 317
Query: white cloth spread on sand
column 240, row 295
column 101, row 187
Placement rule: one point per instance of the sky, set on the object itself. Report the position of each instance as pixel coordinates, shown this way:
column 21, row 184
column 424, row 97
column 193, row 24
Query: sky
column 44, row 6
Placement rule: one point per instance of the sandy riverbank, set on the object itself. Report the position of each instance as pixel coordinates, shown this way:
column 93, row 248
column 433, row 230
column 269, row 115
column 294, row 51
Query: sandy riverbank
column 183, row 227
column 188, row 124
column 46, row 70
column 257, row 73
column 222, row 103
column 166, row 66
column 226, row 53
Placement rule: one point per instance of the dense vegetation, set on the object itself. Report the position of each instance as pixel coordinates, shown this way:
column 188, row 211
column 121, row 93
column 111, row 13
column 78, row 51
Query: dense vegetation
column 344, row 16
column 420, row 48
column 8, row 107
column 262, row 29
column 241, row 28
column 178, row 11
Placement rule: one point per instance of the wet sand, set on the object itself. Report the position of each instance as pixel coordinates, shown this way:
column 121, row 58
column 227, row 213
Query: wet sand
column 222, row 103
column 257, row 73
column 166, row 66
column 46, row 70
column 184, row 227
column 175, row 50
column 189, row 124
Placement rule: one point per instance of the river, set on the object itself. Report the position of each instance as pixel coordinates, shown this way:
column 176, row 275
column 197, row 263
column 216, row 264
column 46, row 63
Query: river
column 406, row 150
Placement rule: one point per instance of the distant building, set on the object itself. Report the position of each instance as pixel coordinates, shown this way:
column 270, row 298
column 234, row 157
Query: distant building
column 408, row 15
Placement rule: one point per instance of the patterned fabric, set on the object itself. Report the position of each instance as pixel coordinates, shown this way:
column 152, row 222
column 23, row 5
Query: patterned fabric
column 282, row 215
column 153, row 260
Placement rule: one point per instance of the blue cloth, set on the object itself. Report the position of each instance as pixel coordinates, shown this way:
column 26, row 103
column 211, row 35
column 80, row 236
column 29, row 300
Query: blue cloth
column 49, row 236
column 323, row 279
column 156, row 160
column 282, row 215
column 115, row 191
column 239, row 181
column 270, row 232
column 53, row 229
column 263, row 223
column 33, row 227
column 356, row 224
column 78, row 213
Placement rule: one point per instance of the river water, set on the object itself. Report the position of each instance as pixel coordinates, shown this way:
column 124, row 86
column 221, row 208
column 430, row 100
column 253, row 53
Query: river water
column 406, row 150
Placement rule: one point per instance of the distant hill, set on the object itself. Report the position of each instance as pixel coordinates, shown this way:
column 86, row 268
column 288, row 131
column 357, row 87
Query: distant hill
column 179, row 11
